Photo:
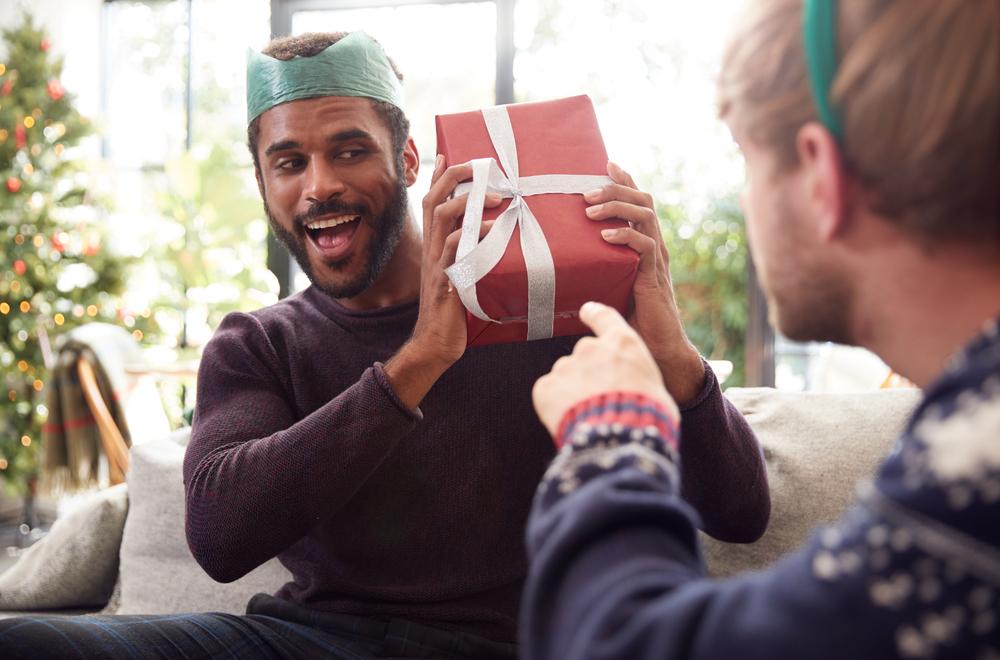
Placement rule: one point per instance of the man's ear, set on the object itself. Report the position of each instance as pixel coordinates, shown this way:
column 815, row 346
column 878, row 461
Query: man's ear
column 411, row 161
column 827, row 183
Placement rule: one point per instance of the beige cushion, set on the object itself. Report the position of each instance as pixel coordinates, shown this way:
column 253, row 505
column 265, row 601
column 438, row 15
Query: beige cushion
column 818, row 447
column 76, row 563
column 158, row 573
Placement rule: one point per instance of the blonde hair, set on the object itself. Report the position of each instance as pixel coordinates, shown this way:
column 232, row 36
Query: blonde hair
column 917, row 90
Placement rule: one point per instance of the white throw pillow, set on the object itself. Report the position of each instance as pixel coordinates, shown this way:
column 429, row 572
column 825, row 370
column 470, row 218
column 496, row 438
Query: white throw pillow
column 817, row 447
column 158, row 573
column 75, row 564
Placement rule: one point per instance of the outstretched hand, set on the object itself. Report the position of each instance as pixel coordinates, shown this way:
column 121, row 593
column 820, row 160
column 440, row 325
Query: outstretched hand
column 615, row 359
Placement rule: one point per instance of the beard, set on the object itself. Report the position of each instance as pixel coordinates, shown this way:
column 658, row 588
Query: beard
column 387, row 228
column 809, row 298
column 816, row 310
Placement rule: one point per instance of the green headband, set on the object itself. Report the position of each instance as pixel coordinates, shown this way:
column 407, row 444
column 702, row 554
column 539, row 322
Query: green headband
column 819, row 31
column 354, row 66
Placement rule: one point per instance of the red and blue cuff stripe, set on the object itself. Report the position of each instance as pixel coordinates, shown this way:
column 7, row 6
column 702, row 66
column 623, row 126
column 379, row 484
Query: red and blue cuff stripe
column 630, row 410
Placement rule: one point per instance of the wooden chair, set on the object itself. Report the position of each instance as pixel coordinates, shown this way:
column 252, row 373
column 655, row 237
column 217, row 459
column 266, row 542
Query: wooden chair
column 111, row 436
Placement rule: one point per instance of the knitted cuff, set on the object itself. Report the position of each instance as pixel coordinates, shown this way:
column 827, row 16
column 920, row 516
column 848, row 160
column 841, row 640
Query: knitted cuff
column 378, row 370
column 630, row 410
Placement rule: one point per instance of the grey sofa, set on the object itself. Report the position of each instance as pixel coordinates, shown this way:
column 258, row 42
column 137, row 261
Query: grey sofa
column 124, row 551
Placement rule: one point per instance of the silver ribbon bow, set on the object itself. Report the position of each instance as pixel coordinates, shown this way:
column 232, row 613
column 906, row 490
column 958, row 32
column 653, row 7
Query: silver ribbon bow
column 476, row 258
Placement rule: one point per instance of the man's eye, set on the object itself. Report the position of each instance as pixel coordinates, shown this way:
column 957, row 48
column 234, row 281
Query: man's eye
column 348, row 154
column 289, row 163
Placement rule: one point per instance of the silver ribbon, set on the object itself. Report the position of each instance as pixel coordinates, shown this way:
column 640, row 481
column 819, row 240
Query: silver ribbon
column 476, row 258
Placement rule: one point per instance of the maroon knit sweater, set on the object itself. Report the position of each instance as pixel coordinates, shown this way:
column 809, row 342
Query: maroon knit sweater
column 301, row 449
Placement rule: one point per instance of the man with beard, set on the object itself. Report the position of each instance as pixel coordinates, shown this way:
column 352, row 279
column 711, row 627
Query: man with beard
column 873, row 161
column 345, row 429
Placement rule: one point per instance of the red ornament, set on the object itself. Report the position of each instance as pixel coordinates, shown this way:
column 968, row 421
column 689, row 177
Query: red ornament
column 57, row 242
column 92, row 249
column 44, row 45
column 20, row 136
column 7, row 86
column 13, row 184
column 20, row 267
column 55, row 89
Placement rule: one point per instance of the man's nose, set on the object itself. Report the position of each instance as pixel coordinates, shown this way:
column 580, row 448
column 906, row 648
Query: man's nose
column 322, row 181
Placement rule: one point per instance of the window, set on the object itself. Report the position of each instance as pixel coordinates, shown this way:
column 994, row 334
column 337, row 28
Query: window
column 649, row 67
column 173, row 131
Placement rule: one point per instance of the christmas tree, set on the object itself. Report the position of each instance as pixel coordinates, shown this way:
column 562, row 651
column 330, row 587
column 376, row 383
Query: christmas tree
column 55, row 272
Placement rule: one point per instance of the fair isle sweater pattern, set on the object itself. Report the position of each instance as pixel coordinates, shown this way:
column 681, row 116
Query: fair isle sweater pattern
column 912, row 570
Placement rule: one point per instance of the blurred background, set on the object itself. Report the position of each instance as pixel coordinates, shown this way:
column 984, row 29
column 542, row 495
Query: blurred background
column 127, row 195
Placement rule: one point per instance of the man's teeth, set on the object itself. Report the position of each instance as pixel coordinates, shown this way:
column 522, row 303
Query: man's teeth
column 332, row 222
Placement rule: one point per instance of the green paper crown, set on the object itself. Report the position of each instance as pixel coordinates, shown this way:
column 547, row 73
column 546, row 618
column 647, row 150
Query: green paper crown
column 354, row 66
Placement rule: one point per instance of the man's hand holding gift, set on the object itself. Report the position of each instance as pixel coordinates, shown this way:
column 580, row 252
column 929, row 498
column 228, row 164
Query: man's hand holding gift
column 439, row 336
column 653, row 312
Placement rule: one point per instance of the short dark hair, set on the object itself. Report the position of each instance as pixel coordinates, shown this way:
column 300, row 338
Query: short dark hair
column 314, row 43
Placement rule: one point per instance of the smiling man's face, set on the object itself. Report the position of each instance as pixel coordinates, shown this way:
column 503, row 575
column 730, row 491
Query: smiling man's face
column 331, row 189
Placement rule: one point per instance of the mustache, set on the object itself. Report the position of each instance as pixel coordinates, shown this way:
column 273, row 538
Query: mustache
column 330, row 206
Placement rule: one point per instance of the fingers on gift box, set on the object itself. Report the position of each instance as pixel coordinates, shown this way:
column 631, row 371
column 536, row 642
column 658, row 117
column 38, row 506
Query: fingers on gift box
column 543, row 258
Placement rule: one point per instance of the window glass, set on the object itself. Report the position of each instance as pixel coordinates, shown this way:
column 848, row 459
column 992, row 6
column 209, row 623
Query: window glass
column 222, row 31
column 650, row 69
column 185, row 199
column 145, row 68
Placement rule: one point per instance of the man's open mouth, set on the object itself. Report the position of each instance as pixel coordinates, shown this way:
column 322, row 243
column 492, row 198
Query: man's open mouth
column 332, row 235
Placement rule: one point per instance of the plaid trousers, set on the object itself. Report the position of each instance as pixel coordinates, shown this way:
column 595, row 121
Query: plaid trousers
column 272, row 628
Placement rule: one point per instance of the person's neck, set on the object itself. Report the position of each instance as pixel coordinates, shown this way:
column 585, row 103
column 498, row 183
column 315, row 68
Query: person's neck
column 920, row 308
column 400, row 279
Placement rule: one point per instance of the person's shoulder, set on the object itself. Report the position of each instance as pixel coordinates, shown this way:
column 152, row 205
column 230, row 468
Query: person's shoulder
column 281, row 316
column 262, row 331
column 945, row 468
column 954, row 439
column 285, row 311
column 957, row 425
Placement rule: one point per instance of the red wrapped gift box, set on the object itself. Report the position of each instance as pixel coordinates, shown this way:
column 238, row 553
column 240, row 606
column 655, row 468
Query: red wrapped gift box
column 552, row 137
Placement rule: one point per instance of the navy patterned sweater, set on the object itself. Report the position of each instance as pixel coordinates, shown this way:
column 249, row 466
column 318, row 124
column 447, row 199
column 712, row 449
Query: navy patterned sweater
column 912, row 570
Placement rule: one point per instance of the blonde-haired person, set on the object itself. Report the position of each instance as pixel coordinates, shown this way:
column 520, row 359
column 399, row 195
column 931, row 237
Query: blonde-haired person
column 872, row 140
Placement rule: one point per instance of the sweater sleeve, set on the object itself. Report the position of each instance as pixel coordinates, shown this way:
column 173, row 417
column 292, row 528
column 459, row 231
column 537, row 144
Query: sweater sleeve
column 722, row 467
column 616, row 572
column 256, row 478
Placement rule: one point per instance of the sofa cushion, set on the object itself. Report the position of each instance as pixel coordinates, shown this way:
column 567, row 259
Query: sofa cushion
column 817, row 447
column 75, row 564
column 158, row 573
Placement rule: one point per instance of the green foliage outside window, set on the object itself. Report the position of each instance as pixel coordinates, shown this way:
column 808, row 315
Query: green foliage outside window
column 214, row 262
column 210, row 258
column 708, row 264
